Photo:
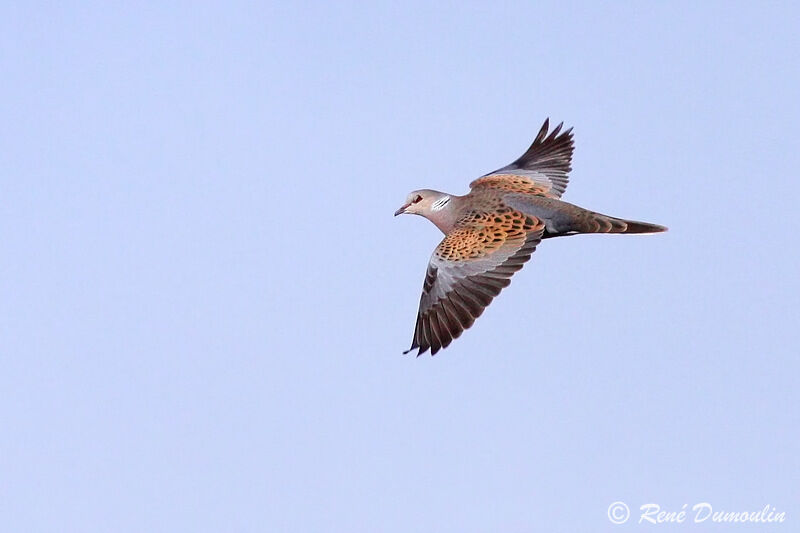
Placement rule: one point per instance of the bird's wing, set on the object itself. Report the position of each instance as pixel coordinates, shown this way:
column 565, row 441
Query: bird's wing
column 542, row 170
column 473, row 263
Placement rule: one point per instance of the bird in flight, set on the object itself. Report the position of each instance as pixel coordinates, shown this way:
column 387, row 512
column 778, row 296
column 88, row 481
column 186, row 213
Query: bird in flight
column 492, row 231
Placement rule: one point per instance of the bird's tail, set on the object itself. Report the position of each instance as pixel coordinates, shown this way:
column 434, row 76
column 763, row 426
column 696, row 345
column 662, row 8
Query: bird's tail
column 599, row 223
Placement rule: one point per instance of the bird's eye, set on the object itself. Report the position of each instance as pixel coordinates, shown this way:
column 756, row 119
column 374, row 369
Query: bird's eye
column 417, row 199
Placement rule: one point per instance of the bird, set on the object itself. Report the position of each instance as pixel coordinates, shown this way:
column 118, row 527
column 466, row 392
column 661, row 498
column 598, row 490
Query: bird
column 491, row 232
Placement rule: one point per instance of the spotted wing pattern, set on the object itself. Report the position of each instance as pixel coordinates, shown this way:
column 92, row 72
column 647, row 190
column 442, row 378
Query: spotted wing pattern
column 542, row 170
column 473, row 263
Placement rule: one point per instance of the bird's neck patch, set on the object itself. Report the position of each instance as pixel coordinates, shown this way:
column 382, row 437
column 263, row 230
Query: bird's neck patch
column 440, row 203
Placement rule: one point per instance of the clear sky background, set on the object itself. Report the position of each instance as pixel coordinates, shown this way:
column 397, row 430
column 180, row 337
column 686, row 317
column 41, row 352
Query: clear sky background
column 204, row 296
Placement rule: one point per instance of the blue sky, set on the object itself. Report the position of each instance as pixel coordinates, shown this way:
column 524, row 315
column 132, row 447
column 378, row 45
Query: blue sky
column 204, row 295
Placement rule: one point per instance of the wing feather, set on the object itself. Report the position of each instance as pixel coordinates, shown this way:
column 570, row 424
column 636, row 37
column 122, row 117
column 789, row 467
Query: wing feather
column 468, row 270
column 542, row 170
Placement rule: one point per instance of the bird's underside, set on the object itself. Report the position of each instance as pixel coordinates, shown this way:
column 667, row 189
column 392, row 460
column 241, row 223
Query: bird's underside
column 492, row 232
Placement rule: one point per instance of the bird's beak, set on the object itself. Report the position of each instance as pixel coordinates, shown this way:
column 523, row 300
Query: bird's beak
column 401, row 210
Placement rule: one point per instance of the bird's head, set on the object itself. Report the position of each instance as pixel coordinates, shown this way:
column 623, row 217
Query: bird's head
column 424, row 202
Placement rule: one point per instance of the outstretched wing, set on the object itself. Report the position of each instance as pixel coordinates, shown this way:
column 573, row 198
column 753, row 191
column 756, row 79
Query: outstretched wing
column 543, row 169
column 473, row 263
